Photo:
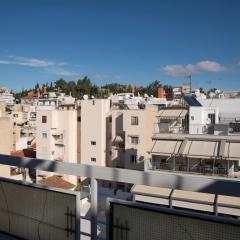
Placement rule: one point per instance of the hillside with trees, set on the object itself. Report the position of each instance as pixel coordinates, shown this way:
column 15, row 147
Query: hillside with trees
column 85, row 86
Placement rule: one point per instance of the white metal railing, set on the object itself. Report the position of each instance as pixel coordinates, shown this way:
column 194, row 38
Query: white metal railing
column 213, row 185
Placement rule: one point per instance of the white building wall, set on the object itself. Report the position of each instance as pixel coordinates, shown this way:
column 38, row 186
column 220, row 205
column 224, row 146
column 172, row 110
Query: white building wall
column 228, row 108
column 199, row 120
column 60, row 140
column 94, row 119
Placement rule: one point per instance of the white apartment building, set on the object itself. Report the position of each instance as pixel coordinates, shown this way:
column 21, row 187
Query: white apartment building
column 202, row 119
column 56, row 135
column 229, row 110
column 132, row 130
column 6, row 96
column 95, row 133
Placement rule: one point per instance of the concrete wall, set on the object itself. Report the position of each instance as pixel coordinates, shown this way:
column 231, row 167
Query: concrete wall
column 60, row 142
column 198, row 118
column 95, row 124
column 144, row 132
column 6, row 142
column 228, row 108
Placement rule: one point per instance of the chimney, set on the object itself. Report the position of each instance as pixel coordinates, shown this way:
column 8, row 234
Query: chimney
column 161, row 93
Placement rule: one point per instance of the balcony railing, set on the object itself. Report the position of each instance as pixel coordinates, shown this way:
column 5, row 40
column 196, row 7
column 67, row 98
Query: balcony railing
column 187, row 182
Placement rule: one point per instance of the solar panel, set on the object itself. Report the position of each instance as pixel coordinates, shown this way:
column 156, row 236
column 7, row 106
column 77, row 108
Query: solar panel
column 191, row 101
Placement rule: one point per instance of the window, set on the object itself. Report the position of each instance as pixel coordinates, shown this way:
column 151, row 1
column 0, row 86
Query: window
column 44, row 135
column 15, row 115
column 163, row 160
column 93, row 143
column 93, row 159
column 133, row 158
column 44, row 119
column 134, row 139
column 211, row 116
column 79, row 119
column 134, row 120
column 192, row 117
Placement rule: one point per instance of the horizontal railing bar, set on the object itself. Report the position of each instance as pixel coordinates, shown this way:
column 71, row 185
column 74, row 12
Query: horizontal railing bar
column 214, row 185
column 89, row 219
column 85, row 234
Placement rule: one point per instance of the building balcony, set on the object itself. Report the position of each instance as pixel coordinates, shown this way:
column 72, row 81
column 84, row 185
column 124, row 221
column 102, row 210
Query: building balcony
column 59, row 214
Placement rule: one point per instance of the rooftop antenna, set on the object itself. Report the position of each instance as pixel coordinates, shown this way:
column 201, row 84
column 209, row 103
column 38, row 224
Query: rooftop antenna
column 189, row 77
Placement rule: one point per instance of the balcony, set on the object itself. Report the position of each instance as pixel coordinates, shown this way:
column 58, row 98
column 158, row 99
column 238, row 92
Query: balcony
column 93, row 223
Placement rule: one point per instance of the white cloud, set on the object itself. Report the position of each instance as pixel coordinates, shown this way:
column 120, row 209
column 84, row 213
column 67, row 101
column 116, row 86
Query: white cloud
column 5, row 62
column 200, row 67
column 107, row 77
column 47, row 65
column 61, row 71
column 31, row 62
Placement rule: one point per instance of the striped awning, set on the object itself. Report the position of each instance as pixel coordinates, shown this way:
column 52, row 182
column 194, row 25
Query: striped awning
column 201, row 149
column 232, row 151
column 166, row 147
column 173, row 113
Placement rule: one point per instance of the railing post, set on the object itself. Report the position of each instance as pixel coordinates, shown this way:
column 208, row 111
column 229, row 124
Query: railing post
column 170, row 198
column 215, row 206
column 94, row 208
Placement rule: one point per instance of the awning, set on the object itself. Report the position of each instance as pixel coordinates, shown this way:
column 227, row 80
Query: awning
column 173, row 113
column 201, row 149
column 166, row 147
column 232, row 151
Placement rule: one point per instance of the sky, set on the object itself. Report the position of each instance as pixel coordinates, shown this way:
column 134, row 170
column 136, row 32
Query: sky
column 125, row 41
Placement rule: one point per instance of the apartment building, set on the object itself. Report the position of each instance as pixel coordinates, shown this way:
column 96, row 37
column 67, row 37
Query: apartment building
column 6, row 96
column 132, row 130
column 56, row 135
column 6, row 140
column 2, row 108
column 202, row 119
column 95, row 134
column 201, row 154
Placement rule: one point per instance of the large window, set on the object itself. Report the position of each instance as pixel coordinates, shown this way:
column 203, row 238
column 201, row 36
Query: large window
column 134, row 139
column 44, row 119
column 134, row 120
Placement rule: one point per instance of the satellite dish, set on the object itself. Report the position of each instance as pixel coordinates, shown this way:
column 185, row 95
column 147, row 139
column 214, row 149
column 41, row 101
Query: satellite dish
column 85, row 97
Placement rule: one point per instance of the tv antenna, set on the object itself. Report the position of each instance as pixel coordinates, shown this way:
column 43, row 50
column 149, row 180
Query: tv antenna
column 189, row 77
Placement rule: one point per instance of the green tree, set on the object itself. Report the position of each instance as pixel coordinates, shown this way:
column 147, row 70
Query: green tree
column 61, row 84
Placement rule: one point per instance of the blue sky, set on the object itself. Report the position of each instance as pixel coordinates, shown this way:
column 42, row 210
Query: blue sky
column 125, row 41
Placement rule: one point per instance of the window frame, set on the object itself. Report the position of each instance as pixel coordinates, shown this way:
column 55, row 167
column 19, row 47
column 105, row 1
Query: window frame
column 133, row 158
column 134, row 120
column 133, row 141
column 44, row 119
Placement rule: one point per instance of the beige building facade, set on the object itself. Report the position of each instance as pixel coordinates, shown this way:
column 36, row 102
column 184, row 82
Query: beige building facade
column 95, row 134
column 56, row 135
column 132, row 132
column 6, row 141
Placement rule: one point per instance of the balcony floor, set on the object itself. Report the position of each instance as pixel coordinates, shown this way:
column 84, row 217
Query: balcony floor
column 6, row 237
